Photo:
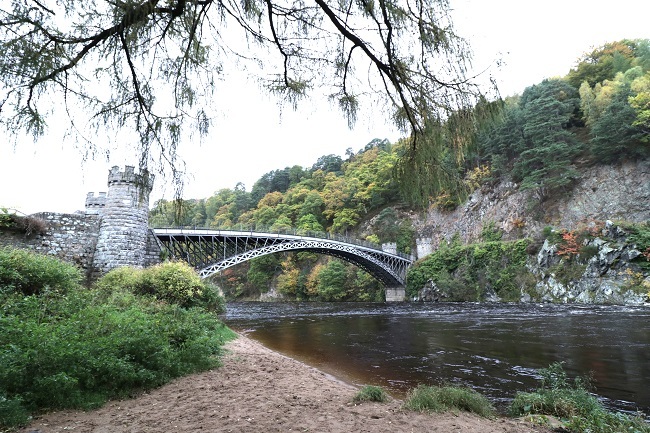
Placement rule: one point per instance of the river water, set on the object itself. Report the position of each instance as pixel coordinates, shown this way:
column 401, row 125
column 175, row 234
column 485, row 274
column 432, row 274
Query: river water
column 494, row 348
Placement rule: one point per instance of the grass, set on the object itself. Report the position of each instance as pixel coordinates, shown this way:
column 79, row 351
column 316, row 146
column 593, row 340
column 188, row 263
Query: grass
column 448, row 398
column 571, row 402
column 371, row 393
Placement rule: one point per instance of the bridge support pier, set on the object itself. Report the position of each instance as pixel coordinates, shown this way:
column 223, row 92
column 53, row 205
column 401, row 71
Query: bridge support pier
column 395, row 294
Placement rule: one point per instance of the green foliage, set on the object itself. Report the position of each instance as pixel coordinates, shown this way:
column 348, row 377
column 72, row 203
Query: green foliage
column 614, row 134
column 26, row 224
column 548, row 148
column 332, row 282
column 261, row 271
column 12, row 412
column 464, row 271
column 6, row 219
column 638, row 234
column 567, row 272
column 449, row 398
column 603, row 63
column 573, row 403
column 541, row 135
column 172, row 282
column 371, row 393
column 491, row 233
column 32, row 274
column 79, row 348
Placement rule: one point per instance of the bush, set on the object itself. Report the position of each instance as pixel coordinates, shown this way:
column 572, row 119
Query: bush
column 24, row 224
column 32, row 274
column 12, row 412
column 78, row 350
column 173, row 282
column 447, row 398
column 371, row 393
column 465, row 270
column 572, row 402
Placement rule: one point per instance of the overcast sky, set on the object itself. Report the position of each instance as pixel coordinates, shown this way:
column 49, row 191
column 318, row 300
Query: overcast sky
column 535, row 40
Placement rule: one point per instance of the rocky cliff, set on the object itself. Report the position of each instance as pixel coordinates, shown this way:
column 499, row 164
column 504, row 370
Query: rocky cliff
column 610, row 269
column 602, row 193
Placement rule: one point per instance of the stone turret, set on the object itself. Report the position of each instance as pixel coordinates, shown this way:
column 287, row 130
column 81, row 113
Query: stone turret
column 95, row 204
column 424, row 247
column 124, row 215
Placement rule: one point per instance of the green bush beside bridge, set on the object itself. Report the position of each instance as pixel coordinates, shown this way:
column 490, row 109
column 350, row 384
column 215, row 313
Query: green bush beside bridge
column 66, row 346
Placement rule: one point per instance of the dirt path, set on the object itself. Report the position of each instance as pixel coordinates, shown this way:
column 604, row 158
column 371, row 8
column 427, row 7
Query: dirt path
column 258, row 390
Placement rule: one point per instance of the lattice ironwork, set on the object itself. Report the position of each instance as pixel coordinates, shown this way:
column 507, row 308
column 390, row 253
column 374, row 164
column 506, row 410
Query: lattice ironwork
column 211, row 251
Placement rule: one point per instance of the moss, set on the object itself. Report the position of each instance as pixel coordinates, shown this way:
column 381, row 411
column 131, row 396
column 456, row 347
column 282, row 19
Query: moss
column 567, row 271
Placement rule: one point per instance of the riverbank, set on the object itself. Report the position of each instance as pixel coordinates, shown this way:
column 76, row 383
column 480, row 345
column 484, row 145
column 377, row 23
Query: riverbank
column 259, row 390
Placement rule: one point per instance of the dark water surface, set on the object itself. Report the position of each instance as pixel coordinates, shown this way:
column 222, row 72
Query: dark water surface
column 494, row 348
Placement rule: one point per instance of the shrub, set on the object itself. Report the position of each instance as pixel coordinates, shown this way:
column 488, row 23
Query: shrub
column 572, row 402
column 491, row 233
column 371, row 393
column 33, row 274
column 78, row 350
column 26, row 224
column 465, row 270
column 172, row 282
column 178, row 283
column 12, row 412
column 447, row 398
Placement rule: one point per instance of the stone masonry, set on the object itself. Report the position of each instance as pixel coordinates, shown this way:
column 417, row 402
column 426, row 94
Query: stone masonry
column 124, row 224
column 112, row 232
column 69, row 237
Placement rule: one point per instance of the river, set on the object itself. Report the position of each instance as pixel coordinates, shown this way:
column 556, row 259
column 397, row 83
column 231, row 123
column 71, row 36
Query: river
column 494, row 348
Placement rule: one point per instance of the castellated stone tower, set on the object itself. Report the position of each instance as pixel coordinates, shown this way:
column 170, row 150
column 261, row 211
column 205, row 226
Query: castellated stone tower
column 124, row 212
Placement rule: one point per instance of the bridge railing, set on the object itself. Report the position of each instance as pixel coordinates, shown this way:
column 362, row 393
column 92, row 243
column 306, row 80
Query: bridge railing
column 294, row 232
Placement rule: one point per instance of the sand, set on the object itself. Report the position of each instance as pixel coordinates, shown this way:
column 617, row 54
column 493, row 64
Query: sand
column 259, row 390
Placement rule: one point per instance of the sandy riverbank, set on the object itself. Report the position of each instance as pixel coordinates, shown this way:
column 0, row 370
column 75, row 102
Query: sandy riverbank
column 258, row 390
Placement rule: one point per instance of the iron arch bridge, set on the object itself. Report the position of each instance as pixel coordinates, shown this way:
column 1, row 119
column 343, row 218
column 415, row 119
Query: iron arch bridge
column 211, row 251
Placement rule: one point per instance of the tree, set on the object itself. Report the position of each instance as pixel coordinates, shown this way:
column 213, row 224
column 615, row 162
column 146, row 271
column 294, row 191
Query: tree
column 328, row 164
column 641, row 105
column 547, row 150
column 332, row 279
column 150, row 65
column 614, row 135
column 603, row 63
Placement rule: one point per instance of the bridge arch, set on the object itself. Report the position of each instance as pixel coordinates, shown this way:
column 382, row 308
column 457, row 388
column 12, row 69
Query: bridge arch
column 211, row 251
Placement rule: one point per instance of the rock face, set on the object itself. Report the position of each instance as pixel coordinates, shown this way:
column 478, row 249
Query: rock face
column 603, row 193
column 610, row 276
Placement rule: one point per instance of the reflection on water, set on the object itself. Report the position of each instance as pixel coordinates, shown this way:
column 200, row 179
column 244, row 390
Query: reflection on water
column 495, row 348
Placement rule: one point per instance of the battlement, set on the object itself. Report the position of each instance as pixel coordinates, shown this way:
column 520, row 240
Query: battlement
column 95, row 204
column 129, row 176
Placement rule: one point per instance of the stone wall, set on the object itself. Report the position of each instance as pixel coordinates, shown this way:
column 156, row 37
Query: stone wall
column 70, row 237
column 152, row 255
column 113, row 232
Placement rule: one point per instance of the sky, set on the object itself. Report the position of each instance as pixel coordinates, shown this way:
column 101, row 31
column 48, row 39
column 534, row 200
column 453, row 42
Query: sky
column 252, row 136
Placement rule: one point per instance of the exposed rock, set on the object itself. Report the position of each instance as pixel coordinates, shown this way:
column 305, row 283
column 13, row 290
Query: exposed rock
column 603, row 193
column 609, row 277
column 272, row 295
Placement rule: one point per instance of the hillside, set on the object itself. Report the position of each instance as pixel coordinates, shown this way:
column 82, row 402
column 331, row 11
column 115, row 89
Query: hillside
column 568, row 153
